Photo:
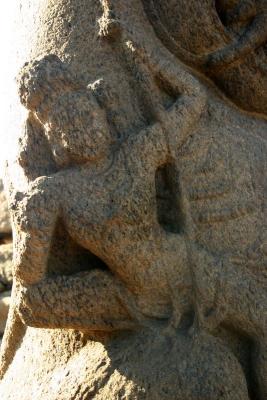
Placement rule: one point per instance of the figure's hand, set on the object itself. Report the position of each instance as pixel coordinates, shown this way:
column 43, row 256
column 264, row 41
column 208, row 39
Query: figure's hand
column 206, row 323
column 34, row 217
column 173, row 324
column 26, row 205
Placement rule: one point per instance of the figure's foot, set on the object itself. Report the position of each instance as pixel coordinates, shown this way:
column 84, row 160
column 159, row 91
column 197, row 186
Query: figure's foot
column 170, row 331
column 173, row 324
column 195, row 329
column 207, row 323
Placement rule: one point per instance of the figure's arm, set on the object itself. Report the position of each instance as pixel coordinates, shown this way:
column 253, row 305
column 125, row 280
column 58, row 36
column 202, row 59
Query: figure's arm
column 34, row 155
column 159, row 142
column 178, row 121
column 150, row 60
column 173, row 125
column 98, row 302
column 149, row 145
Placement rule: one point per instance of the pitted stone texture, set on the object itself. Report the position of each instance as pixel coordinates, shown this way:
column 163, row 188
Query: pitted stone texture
column 118, row 369
column 226, row 39
column 140, row 226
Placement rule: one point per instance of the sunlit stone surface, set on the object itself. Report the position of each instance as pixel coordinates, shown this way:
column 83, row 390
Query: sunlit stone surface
column 138, row 202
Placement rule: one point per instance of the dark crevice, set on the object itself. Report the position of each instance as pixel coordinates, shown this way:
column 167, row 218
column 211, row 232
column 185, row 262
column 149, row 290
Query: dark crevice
column 169, row 199
column 5, row 238
column 221, row 11
column 243, row 348
column 67, row 257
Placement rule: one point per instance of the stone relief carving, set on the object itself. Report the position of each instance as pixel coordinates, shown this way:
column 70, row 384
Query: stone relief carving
column 225, row 39
column 171, row 218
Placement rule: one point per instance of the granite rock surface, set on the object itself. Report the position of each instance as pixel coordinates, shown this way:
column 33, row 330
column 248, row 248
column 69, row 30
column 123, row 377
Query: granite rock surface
column 140, row 222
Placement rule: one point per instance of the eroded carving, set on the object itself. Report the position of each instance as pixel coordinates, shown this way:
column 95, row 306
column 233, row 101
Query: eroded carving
column 224, row 39
column 175, row 211
column 248, row 20
column 101, row 172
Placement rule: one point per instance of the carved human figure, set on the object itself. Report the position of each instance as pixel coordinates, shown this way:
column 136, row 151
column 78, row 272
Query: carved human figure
column 79, row 136
column 80, row 140
column 48, row 100
column 86, row 194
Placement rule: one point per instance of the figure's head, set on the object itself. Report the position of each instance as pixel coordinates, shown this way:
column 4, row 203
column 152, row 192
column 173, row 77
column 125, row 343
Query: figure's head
column 41, row 81
column 78, row 130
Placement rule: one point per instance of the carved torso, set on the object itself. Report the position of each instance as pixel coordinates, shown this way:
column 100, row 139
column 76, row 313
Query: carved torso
column 222, row 169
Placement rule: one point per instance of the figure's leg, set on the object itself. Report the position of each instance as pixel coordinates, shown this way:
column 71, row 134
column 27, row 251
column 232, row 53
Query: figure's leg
column 178, row 274
column 35, row 215
column 207, row 284
column 88, row 301
column 180, row 299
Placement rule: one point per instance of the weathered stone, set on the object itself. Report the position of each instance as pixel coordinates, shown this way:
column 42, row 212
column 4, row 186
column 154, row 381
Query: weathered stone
column 140, row 228
column 226, row 40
